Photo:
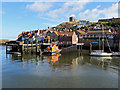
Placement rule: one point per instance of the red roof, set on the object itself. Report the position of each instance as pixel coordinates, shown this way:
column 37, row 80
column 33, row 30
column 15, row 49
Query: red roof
column 65, row 33
column 42, row 31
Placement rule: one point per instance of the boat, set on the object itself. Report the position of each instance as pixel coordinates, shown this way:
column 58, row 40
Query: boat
column 52, row 49
column 101, row 52
column 115, row 53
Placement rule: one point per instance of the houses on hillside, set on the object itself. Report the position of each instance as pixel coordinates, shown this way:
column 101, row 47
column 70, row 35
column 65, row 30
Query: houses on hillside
column 63, row 37
column 66, row 37
column 71, row 33
column 48, row 36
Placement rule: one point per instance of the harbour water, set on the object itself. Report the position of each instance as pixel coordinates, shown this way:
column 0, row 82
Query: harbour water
column 71, row 70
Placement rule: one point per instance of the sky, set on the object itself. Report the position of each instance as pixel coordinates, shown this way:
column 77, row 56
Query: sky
column 27, row 16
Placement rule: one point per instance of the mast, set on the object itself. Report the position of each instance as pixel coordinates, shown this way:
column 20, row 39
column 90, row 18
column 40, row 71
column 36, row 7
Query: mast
column 103, row 37
column 108, row 44
column 119, row 43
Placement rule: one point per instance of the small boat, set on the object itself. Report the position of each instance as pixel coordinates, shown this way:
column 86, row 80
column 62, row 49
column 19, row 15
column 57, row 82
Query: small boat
column 104, row 54
column 101, row 53
column 52, row 49
column 115, row 53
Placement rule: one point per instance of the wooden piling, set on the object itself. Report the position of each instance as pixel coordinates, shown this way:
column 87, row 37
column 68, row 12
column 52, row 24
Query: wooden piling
column 81, row 48
column 27, row 46
column 22, row 49
column 36, row 47
column 32, row 47
column 6, row 48
column 39, row 48
column 90, row 47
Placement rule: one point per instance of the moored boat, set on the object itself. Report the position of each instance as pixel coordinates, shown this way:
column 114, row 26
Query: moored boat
column 115, row 53
column 52, row 49
column 101, row 53
column 104, row 54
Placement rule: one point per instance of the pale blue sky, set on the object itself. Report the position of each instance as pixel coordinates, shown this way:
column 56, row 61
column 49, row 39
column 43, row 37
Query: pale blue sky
column 26, row 16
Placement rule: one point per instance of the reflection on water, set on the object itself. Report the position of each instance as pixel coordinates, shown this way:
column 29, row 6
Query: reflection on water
column 61, row 69
column 103, row 62
column 67, row 61
column 64, row 62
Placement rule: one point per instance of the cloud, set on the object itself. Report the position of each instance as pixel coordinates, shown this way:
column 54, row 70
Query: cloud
column 55, row 13
column 67, row 9
column 87, row 11
column 98, row 6
column 90, row 16
column 110, row 12
column 39, row 6
column 95, row 9
column 64, row 11
column 72, row 15
column 95, row 14
column 73, row 8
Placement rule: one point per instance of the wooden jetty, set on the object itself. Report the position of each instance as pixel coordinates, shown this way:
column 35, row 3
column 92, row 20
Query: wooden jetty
column 16, row 47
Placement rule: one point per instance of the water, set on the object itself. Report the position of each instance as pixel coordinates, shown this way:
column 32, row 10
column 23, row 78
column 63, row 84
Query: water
column 70, row 70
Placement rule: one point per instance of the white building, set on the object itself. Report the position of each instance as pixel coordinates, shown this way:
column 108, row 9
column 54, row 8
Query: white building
column 82, row 23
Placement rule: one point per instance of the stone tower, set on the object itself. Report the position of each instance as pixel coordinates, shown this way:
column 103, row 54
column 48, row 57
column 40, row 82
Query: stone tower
column 71, row 19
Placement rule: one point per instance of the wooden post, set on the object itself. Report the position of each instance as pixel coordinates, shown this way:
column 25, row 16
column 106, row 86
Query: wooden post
column 12, row 48
column 99, row 42
column 27, row 46
column 6, row 49
column 39, row 48
column 32, row 47
column 22, row 51
column 36, row 46
column 81, row 48
column 90, row 47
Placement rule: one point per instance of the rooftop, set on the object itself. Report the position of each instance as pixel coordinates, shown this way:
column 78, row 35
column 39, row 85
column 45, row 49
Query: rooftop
column 64, row 33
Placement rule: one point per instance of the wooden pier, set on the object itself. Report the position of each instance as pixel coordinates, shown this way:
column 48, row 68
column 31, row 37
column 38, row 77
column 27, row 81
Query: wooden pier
column 16, row 47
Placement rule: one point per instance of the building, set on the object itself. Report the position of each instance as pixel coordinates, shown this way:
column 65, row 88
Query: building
column 108, row 20
column 82, row 23
column 96, row 34
column 53, row 36
column 71, row 19
column 67, row 37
